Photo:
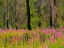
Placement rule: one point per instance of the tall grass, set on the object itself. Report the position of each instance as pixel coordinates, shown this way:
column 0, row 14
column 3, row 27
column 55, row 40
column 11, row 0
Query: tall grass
column 40, row 38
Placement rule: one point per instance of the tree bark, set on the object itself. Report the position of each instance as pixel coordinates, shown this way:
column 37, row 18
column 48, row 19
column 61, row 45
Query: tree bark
column 7, row 16
column 50, row 15
column 39, row 11
column 4, row 14
column 28, row 13
column 55, row 12
column 55, row 2
column 16, row 24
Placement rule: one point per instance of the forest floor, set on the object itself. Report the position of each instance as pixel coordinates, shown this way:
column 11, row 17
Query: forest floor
column 39, row 38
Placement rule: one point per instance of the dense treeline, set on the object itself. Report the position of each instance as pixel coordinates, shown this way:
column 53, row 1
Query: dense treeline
column 31, row 14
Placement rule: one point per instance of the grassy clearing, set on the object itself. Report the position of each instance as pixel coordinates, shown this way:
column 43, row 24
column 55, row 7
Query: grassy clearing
column 41, row 38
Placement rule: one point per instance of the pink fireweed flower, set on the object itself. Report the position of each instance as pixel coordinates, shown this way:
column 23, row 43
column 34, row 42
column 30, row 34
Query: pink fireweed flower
column 10, row 30
column 46, row 32
column 58, row 34
column 55, row 41
column 52, row 37
column 2, row 31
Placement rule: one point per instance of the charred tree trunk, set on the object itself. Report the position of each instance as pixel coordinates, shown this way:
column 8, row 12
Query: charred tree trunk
column 4, row 19
column 4, row 15
column 16, row 24
column 55, row 2
column 7, row 24
column 50, row 15
column 55, row 10
column 28, row 13
column 7, row 16
column 39, row 11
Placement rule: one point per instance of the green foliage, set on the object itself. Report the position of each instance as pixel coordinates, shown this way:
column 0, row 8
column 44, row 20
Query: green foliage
column 1, row 3
column 34, row 22
column 1, row 25
column 24, row 26
column 21, row 13
column 45, row 24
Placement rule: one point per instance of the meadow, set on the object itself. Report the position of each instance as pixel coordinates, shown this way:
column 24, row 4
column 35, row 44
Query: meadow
column 37, row 38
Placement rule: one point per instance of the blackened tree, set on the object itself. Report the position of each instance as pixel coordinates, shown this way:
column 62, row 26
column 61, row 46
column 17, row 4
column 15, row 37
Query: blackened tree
column 7, row 16
column 50, row 15
column 39, row 11
column 28, row 13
